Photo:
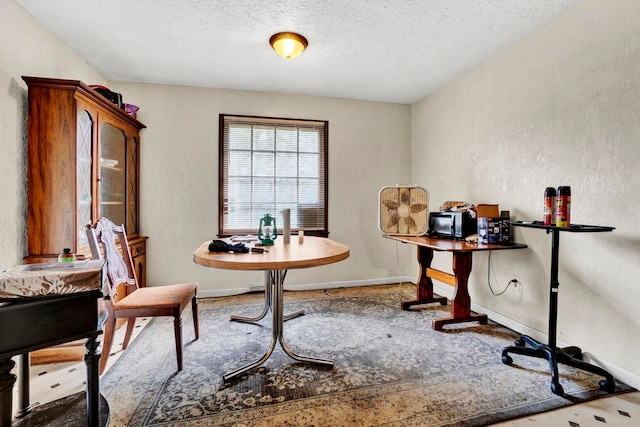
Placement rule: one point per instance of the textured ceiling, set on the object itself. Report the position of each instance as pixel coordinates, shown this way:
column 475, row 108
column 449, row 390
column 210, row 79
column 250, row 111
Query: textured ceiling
column 379, row 50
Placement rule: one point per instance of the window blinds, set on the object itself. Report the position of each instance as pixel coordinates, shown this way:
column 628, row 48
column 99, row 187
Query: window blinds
column 269, row 164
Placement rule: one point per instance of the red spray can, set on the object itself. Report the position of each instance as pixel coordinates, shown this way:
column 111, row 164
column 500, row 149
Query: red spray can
column 563, row 207
column 549, row 206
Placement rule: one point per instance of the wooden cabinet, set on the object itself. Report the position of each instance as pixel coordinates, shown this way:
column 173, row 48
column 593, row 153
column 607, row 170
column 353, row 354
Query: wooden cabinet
column 83, row 163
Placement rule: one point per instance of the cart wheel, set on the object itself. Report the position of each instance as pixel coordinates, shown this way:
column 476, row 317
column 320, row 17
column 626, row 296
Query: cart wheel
column 607, row 386
column 556, row 388
column 506, row 359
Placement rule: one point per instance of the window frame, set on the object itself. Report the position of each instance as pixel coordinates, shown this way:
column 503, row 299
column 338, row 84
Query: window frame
column 223, row 155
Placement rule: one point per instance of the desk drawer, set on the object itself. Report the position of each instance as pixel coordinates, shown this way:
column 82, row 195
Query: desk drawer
column 139, row 248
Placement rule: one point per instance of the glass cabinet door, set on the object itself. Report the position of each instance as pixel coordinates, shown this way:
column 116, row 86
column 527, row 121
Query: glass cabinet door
column 84, row 146
column 132, row 186
column 112, row 173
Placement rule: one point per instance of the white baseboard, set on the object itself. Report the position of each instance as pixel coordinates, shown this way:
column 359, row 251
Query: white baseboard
column 304, row 286
column 623, row 375
column 349, row 284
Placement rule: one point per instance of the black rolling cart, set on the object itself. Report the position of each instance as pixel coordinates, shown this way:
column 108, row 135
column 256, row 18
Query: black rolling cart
column 571, row 356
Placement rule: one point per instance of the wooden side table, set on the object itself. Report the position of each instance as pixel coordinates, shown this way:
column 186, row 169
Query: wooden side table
column 462, row 252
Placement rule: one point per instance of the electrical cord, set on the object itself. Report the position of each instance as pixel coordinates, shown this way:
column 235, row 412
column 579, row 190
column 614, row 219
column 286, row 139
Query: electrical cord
column 398, row 266
column 489, row 279
column 399, row 274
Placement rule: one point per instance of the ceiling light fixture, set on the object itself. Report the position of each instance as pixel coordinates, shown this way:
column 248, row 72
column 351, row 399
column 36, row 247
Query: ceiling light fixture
column 288, row 45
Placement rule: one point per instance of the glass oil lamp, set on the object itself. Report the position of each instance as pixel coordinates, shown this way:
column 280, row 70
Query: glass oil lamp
column 267, row 231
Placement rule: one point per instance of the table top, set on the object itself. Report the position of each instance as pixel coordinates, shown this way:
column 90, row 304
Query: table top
column 50, row 279
column 314, row 251
column 573, row 228
column 451, row 245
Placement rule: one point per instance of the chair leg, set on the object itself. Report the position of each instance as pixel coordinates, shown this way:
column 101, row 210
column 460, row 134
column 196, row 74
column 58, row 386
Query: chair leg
column 131, row 322
column 109, row 328
column 177, row 327
column 194, row 310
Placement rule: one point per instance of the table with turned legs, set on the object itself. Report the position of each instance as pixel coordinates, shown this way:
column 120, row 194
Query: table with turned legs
column 462, row 254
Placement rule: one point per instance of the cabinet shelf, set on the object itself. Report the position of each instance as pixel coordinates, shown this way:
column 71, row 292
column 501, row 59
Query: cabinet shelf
column 111, row 168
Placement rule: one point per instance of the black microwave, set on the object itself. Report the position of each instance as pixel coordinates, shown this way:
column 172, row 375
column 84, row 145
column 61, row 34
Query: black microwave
column 453, row 225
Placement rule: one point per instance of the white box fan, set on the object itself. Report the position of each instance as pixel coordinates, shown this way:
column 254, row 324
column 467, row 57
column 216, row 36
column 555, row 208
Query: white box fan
column 403, row 210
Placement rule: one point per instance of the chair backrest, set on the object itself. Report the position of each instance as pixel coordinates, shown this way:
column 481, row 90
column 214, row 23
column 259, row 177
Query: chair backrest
column 112, row 239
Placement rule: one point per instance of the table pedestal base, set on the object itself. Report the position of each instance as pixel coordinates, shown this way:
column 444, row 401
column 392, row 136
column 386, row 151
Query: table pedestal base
column 571, row 356
column 461, row 301
column 276, row 281
column 406, row 305
column 268, row 289
column 437, row 324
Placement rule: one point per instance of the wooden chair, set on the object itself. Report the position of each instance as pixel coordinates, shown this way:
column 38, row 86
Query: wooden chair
column 109, row 239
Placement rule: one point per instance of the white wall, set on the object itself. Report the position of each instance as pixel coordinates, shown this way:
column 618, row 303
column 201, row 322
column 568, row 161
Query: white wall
column 369, row 147
column 26, row 49
column 562, row 107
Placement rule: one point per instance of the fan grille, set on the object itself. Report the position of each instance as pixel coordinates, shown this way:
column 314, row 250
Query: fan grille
column 404, row 210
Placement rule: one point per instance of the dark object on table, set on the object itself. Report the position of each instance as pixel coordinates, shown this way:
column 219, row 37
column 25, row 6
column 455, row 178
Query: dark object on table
column 222, row 246
column 452, row 225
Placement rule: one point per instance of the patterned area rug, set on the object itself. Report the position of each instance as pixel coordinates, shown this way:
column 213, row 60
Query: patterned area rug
column 390, row 369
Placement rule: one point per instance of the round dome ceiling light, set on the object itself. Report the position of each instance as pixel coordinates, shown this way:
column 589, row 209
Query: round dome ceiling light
column 288, row 45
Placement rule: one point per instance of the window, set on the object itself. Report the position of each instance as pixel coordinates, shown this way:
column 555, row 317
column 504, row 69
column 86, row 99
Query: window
column 267, row 165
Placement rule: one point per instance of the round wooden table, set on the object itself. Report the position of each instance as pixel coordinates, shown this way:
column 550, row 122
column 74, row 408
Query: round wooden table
column 275, row 261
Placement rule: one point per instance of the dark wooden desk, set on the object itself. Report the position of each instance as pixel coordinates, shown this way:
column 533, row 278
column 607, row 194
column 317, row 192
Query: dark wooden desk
column 571, row 356
column 37, row 320
column 462, row 262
